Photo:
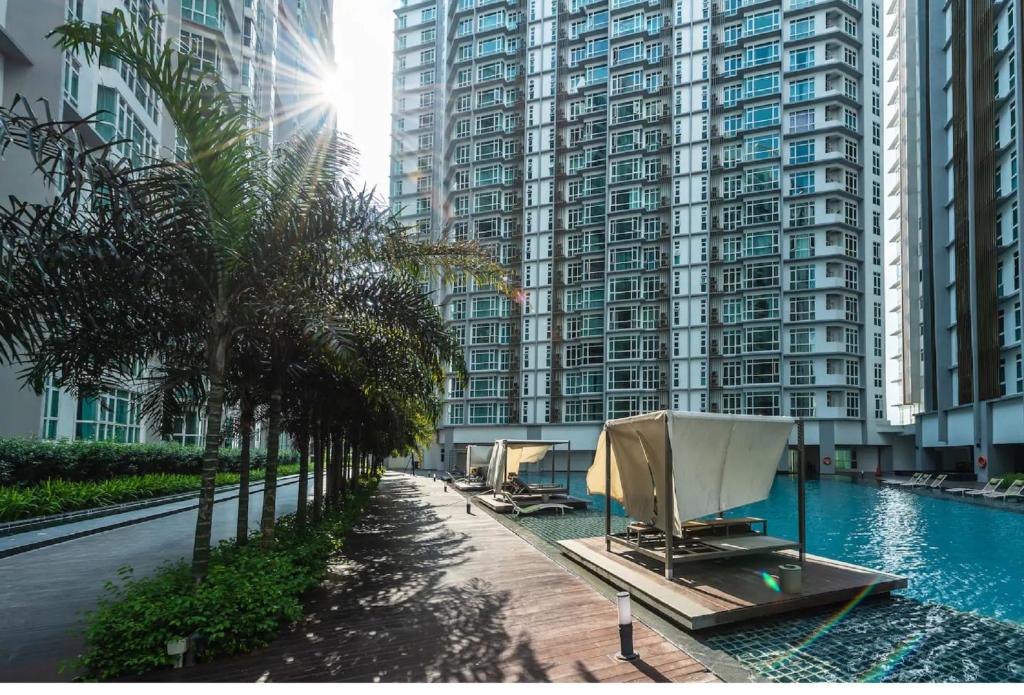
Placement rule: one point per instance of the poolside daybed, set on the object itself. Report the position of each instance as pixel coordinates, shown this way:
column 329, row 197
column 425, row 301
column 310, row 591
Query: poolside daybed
column 475, row 478
column 670, row 469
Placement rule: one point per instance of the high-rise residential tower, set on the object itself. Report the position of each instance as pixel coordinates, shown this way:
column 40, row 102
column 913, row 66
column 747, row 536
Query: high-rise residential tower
column 903, row 227
column 418, row 115
column 268, row 52
column 690, row 194
column 971, row 244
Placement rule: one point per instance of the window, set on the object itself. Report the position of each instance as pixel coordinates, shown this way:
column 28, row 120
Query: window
column 206, row 12
column 801, row 90
column 51, row 409
column 801, row 404
column 801, row 339
column 111, row 416
column 801, row 58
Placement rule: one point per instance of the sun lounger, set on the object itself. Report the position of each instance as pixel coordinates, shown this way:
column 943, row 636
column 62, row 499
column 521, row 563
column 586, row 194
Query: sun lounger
column 923, row 480
column 990, row 486
column 534, row 508
column 938, row 481
column 1018, row 495
column 896, row 481
column 1015, row 487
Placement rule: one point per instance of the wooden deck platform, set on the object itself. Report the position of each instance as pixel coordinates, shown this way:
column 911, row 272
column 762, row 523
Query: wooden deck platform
column 718, row 592
column 496, row 504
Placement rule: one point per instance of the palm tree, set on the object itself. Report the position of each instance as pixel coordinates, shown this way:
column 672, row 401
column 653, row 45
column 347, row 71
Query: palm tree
column 181, row 258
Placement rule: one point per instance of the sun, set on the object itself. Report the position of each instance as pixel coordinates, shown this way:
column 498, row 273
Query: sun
column 330, row 86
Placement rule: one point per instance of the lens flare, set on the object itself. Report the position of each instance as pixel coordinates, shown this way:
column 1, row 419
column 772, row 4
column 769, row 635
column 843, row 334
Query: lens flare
column 888, row 664
column 771, row 582
column 820, row 631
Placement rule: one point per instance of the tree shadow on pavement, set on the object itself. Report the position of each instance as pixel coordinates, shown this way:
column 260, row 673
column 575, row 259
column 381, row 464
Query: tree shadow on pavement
column 386, row 614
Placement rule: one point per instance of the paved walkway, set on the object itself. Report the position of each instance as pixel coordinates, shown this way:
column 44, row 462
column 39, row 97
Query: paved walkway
column 428, row 593
column 44, row 592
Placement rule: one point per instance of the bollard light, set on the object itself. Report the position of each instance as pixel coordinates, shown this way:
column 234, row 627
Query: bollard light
column 467, row 508
column 446, row 487
column 626, row 652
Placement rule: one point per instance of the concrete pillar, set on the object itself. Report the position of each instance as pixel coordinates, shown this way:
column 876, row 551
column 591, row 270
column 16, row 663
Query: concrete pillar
column 826, row 448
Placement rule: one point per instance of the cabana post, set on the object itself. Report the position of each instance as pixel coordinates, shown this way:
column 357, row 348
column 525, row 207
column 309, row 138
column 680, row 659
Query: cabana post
column 568, row 465
column 669, row 506
column 801, row 493
column 607, row 489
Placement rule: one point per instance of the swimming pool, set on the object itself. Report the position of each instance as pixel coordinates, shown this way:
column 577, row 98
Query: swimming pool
column 960, row 619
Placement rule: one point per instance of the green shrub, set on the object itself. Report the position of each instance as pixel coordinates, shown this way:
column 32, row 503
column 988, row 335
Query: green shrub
column 60, row 496
column 1008, row 479
column 30, row 461
column 247, row 597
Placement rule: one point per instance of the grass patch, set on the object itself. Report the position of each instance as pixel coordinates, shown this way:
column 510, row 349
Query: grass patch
column 249, row 595
column 61, row 496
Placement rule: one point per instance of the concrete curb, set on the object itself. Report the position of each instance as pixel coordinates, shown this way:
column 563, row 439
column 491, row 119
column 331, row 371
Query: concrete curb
column 17, row 550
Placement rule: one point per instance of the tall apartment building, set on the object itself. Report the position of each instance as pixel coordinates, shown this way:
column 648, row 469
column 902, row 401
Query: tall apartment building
column 904, row 218
column 258, row 48
column 417, row 115
column 971, row 243
column 690, row 194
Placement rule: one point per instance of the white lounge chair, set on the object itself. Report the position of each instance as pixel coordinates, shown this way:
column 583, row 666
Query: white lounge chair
column 990, row 486
column 1014, row 490
column 923, row 480
column 938, row 481
column 534, row 508
column 973, row 490
column 897, row 481
column 1018, row 495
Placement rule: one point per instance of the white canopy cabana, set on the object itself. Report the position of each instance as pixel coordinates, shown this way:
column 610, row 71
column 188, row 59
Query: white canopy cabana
column 699, row 463
column 509, row 455
column 477, row 457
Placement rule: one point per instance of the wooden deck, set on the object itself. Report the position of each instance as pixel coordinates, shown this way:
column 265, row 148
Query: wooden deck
column 429, row 593
column 496, row 504
column 718, row 592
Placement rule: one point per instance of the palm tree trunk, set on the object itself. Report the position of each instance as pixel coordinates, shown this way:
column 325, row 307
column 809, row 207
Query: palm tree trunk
column 245, row 422
column 333, row 472
column 303, row 476
column 216, row 361
column 270, row 479
column 318, row 472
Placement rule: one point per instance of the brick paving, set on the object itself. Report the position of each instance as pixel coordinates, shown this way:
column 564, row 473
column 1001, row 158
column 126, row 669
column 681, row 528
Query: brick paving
column 428, row 593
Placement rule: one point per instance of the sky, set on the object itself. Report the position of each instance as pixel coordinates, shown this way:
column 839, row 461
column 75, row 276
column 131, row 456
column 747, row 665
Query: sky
column 363, row 52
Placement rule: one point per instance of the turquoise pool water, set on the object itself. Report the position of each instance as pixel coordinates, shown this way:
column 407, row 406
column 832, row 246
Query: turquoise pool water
column 960, row 619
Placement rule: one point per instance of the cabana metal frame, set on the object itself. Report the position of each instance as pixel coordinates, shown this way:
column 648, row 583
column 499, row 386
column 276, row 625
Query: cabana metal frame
column 660, row 541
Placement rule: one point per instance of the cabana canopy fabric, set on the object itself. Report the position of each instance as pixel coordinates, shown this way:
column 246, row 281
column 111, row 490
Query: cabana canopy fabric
column 719, row 462
column 507, row 457
column 477, row 457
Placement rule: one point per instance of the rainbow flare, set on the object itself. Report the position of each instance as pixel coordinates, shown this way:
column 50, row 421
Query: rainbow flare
column 825, row 627
column 771, row 582
column 887, row 664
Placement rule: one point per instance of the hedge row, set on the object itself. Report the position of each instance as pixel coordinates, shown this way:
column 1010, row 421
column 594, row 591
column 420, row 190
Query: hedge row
column 31, row 461
column 248, row 596
column 61, row 496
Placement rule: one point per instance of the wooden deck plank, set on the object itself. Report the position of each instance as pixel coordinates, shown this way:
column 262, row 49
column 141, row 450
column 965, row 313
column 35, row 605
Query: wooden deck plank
column 428, row 593
column 718, row 592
